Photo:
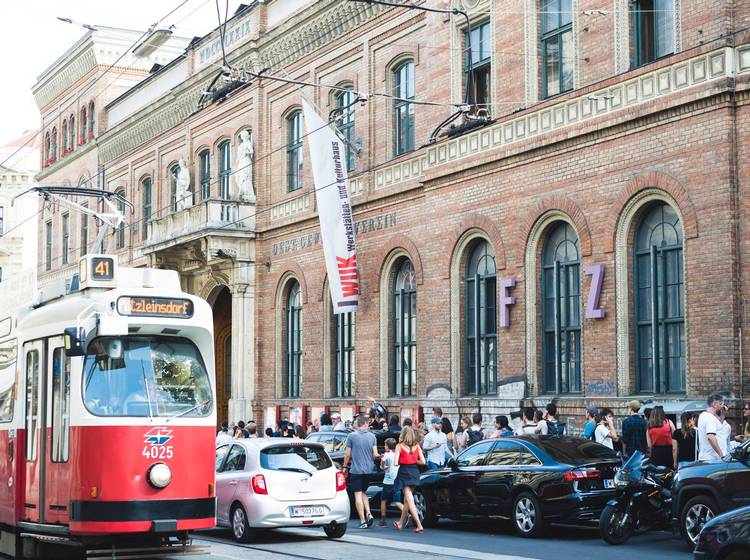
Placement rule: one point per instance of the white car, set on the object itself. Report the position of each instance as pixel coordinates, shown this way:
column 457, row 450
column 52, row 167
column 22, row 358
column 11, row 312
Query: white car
column 268, row 483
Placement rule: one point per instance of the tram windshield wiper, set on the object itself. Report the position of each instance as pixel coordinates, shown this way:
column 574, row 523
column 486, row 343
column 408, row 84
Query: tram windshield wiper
column 293, row 469
column 188, row 411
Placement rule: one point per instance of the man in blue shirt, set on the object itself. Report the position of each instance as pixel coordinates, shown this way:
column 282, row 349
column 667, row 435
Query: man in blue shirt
column 361, row 450
column 590, row 426
column 634, row 430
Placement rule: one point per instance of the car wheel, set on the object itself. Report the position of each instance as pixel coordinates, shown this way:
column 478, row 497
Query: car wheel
column 335, row 531
column 240, row 527
column 695, row 514
column 612, row 527
column 424, row 509
column 527, row 515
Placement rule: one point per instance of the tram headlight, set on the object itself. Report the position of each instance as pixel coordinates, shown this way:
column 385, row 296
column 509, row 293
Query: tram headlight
column 159, row 475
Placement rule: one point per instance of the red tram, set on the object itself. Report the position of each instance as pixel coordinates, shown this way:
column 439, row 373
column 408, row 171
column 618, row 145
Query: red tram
column 107, row 416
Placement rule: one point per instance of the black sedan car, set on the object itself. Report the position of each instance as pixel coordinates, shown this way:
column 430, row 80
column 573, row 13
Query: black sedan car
column 703, row 490
column 531, row 480
column 726, row 537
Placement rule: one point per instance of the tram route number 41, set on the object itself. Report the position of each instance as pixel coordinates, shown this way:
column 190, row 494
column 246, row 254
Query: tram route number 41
column 156, row 447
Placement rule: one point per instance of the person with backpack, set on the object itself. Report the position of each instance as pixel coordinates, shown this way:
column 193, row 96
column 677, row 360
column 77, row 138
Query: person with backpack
column 554, row 426
column 475, row 434
column 528, row 426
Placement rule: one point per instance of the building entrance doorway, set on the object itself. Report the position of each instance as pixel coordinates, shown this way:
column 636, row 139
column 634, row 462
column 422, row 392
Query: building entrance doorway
column 222, row 308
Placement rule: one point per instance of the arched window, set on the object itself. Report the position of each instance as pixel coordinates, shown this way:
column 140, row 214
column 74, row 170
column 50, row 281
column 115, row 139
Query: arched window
column 404, row 323
column 84, row 125
column 54, row 144
column 64, row 137
column 294, row 151
column 481, row 321
column 174, row 171
column 344, row 353
column 403, row 110
column 145, row 206
column 72, row 129
column 293, row 338
column 91, row 119
column 225, row 169
column 47, row 148
column 121, row 227
column 561, row 317
column 659, row 302
column 204, row 174
column 345, row 106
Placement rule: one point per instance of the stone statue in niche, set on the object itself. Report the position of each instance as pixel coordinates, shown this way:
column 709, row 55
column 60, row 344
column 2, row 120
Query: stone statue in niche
column 183, row 196
column 243, row 176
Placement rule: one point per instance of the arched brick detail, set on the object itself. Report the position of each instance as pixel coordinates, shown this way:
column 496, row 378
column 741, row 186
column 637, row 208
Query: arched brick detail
column 296, row 270
column 563, row 204
column 490, row 230
column 657, row 180
column 401, row 242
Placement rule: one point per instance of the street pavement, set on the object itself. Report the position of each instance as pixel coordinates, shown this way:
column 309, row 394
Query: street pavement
column 451, row 540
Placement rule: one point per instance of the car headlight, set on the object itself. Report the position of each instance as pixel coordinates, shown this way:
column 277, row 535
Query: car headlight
column 159, row 475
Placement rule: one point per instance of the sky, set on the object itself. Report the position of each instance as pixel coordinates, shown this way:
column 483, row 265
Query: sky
column 32, row 38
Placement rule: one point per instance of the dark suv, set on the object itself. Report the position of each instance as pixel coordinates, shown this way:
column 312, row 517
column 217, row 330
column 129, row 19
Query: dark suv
column 703, row 490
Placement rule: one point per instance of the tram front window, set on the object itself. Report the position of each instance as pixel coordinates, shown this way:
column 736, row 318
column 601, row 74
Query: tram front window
column 145, row 376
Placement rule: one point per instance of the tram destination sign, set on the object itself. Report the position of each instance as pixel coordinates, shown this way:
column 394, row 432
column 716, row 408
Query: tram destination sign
column 144, row 306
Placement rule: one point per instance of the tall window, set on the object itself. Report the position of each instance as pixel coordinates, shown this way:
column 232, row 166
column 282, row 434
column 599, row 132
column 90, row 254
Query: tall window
column 145, row 206
column 60, row 405
column 54, row 143
column 561, row 317
column 121, row 227
column 48, row 245
column 659, row 302
column 652, row 28
column 84, row 242
column 403, row 109
column 47, row 148
column 32, row 403
column 481, row 321
column 84, row 124
column 173, row 173
column 404, row 321
column 65, row 237
column 345, row 105
column 344, row 353
column 204, row 174
column 557, row 47
column 294, row 151
column 225, row 169
column 65, row 137
column 478, row 64
column 293, row 340
column 91, row 119
column 2, row 220
column 72, row 129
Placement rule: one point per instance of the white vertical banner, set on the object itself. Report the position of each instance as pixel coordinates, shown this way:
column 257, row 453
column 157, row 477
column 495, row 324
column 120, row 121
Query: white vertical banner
column 328, row 155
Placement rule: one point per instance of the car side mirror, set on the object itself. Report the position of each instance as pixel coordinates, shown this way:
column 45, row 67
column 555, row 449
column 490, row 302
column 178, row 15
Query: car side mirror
column 452, row 464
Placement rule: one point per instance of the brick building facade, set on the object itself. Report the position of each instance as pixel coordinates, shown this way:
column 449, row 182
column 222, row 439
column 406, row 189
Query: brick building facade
column 617, row 151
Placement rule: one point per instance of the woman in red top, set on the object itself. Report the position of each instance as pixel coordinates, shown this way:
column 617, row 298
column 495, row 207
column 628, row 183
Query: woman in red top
column 659, row 438
column 408, row 458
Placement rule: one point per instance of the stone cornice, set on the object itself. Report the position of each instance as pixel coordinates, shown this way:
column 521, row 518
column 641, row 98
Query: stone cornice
column 79, row 65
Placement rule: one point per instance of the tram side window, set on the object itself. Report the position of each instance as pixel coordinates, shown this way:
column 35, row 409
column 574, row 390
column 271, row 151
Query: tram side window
column 7, row 379
column 60, row 405
column 32, row 402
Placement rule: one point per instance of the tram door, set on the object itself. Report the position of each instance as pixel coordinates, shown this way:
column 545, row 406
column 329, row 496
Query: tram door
column 56, row 469
column 34, row 422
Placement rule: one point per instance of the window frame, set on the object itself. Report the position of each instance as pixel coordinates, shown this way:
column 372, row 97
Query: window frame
column 32, row 397
column 557, row 34
column 294, row 153
column 60, row 434
column 48, row 245
column 347, row 125
column 65, row 231
column 293, row 340
column 481, row 65
column 120, row 235
column 224, row 152
column 344, row 328
column 146, row 205
column 84, row 231
column 404, row 112
column 173, row 171
column 481, row 340
column 204, row 173
column 560, row 271
column 403, row 339
column 636, row 13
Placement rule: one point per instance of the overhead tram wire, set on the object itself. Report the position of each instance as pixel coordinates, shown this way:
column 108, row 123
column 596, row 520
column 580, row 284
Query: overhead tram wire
column 64, row 110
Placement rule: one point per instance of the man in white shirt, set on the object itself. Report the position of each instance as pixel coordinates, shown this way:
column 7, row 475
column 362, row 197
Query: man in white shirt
column 709, row 426
column 605, row 432
column 435, row 444
column 223, row 436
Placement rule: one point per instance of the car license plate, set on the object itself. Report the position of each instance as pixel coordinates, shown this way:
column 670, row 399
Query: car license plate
column 307, row 511
column 609, row 483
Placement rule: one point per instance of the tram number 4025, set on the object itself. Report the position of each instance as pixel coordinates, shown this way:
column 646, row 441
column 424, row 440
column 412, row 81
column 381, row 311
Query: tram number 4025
column 158, row 451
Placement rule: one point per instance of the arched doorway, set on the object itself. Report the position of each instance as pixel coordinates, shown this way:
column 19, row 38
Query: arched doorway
column 222, row 308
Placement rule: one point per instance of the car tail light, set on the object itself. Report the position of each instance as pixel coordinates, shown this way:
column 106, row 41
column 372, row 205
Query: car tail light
column 340, row 481
column 259, row 484
column 581, row 474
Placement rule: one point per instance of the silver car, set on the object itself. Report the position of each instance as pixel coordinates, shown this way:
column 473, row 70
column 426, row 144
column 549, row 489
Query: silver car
column 269, row 483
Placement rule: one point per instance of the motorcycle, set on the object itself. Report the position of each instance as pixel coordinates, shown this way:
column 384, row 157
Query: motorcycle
column 643, row 502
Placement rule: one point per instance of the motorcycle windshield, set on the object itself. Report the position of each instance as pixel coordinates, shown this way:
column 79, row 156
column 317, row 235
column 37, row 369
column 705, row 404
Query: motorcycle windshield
column 632, row 470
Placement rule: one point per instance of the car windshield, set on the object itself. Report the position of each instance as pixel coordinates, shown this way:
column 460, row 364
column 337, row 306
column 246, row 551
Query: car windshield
column 296, row 458
column 145, row 376
column 575, row 451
